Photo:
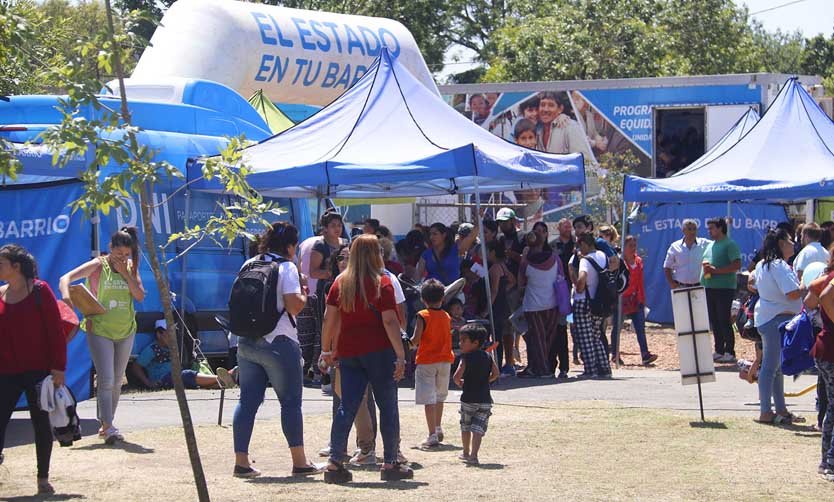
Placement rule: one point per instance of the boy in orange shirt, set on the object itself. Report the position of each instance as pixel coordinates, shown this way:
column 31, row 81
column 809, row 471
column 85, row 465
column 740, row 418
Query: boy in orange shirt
column 433, row 338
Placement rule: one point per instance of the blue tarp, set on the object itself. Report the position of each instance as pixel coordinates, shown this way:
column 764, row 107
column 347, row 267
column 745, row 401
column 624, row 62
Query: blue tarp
column 658, row 226
column 390, row 136
column 787, row 155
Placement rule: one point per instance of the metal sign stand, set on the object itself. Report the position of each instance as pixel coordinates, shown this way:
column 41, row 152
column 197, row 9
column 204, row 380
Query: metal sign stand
column 692, row 332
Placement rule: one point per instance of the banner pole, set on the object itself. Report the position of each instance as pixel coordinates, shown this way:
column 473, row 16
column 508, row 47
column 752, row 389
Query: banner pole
column 484, row 254
column 624, row 229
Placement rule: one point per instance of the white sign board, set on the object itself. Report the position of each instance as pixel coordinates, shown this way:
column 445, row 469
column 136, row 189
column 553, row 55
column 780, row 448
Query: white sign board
column 295, row 56
column 689, row 307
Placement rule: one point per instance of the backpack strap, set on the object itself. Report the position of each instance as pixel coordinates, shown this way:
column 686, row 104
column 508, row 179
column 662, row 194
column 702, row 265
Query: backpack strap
column 279, row 260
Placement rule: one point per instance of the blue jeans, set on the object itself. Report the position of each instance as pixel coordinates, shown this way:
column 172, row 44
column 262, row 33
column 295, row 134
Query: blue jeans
column 638, row 320
column 771, row 381
column 259, row 363
column 826, row 370
column 376, row 368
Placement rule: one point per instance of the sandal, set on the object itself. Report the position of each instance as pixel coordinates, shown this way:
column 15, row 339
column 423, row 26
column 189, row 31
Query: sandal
column 396, row 472
column 337, row 476
column 790, row 418
column 768, row 421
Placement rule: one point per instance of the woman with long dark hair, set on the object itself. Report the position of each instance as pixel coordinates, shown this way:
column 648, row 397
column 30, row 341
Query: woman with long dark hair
column 274, row 359
column 441, row 260
column 32, row 347
column 114, row 280
column 361, row 330
column 780, row 298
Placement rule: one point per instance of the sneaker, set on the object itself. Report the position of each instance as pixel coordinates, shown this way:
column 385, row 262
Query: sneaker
column 563, row 375
column 111, row 435
column 396, row 473
column 367, row 458
column 401, row 458
column 309, row 469
column 828, row 474
column 507, row 371
column 649, row 359
column 246, row 472
column 716, row 356
column 439, row 433
column 327, row 390
column 727, row 358
column 225, row 378
column 430, row 442
column 325, row 452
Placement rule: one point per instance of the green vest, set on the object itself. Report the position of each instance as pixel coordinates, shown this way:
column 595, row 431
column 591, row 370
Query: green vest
column 119, row 319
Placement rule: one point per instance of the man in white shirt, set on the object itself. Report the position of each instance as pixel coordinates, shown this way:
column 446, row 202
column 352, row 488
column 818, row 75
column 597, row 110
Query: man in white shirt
column 684, row 257
column 589, row 327
column 812, row 252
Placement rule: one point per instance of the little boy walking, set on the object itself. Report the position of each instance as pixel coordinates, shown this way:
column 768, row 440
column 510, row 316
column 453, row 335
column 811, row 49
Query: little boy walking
column 433, row 338
column 476, row 371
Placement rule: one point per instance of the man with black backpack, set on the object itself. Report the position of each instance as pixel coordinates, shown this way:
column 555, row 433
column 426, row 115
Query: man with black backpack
column 595, row 297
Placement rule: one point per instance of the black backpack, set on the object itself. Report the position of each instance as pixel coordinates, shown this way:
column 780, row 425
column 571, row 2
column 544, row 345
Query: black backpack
column 253, row 311
column 605, row 299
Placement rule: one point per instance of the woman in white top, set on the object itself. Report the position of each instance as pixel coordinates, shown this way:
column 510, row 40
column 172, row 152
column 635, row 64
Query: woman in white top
column 275, row 359
column 537, row 275
column 780, row 298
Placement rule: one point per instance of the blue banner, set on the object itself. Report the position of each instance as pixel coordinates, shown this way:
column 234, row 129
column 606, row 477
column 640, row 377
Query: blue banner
column 40, row 220
column 657, row 227
column 630, row 110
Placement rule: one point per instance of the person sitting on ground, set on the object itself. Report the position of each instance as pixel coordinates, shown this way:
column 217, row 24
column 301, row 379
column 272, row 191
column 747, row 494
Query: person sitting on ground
column 476, row 371
column 153, row 367
column 433, row 339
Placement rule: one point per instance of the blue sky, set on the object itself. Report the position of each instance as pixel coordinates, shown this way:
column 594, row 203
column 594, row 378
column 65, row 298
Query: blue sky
column 808, row 16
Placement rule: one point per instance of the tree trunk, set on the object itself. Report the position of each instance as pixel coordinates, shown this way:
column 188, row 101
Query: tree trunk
column 162, row 284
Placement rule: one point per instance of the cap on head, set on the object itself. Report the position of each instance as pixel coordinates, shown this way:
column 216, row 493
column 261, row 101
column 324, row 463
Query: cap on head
column 465, row 229
column 505, row 214
column 160, row 324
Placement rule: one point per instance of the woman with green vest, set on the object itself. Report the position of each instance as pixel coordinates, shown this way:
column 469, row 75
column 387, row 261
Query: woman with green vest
column 114, row 280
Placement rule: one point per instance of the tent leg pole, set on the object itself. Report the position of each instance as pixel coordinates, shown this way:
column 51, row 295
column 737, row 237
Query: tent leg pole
column 729, row 217
column 95, row 252
column 584, row 200
column 616, row 342
column 484, row 254
column 184, row 273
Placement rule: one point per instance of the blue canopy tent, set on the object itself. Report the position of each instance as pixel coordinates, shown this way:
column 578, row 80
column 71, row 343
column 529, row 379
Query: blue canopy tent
column 389, row 136
column 787, row 155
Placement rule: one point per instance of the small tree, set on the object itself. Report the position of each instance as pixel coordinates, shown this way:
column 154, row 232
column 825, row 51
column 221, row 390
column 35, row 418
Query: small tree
column 610, row 173
column 112, row 137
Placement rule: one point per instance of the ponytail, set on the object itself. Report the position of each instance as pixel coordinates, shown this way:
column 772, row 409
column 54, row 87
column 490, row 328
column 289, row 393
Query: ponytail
column 128, row 237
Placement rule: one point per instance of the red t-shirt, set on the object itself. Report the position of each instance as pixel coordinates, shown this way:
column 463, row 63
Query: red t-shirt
column 823, row 348
column 362, row 330
column 31, row 336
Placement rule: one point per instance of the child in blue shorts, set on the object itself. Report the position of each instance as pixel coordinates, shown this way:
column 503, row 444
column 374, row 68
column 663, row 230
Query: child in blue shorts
column 476, row 371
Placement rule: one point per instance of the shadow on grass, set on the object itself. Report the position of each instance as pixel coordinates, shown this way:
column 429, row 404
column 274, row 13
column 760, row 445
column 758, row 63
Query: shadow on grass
column 438, row 448
column 708, row 425
column 487, row 467
column 38, row 498
column 127, row 446
column 389, row 485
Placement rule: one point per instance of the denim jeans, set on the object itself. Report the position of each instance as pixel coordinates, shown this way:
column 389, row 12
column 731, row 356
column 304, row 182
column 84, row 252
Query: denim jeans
column 638, row 321
column 376, row 368
column 771, row 381
column 826, row 370
column 280, row 364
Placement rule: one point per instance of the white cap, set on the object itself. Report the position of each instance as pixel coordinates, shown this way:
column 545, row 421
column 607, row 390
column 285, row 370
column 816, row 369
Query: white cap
column 160, row 324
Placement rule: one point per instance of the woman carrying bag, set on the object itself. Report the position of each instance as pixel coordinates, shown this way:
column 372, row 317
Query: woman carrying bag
column 32, row 347
column 114, row 281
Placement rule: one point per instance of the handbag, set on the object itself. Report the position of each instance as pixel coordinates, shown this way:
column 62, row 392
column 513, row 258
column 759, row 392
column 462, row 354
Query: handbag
column 562, row 290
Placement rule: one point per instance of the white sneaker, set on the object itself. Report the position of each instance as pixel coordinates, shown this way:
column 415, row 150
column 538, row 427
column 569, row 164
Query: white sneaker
column 112, row 434
column 430, row 442
column 716, row 356
column 325, row 452
column 360, row 458
column 727, row 358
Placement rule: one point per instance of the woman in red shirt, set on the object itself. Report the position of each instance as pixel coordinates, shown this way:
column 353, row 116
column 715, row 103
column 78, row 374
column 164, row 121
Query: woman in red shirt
column 634, row 303
column 32, row 346
column 361, row 330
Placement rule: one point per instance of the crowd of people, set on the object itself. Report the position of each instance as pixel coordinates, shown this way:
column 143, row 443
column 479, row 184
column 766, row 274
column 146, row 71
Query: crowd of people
column 372, row 334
